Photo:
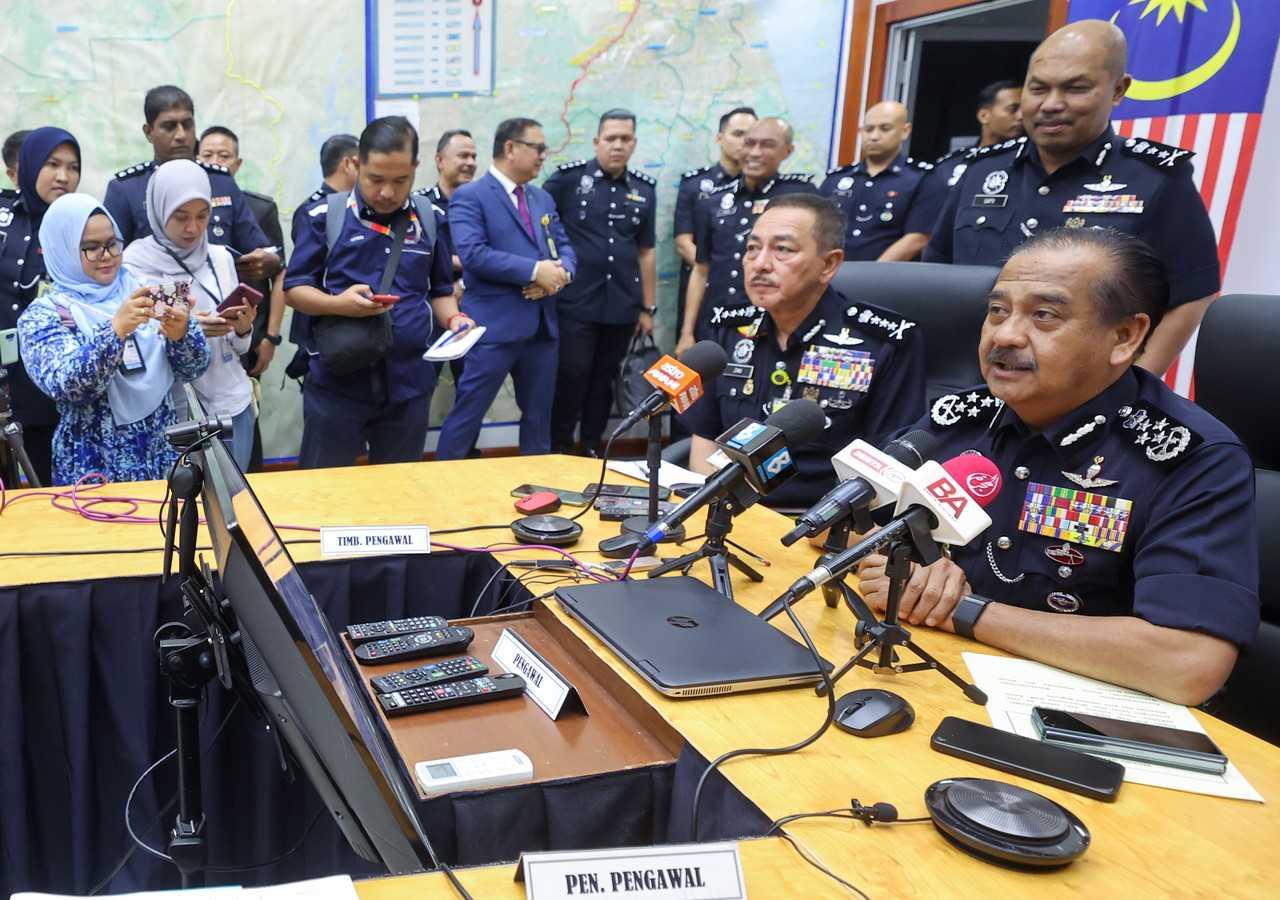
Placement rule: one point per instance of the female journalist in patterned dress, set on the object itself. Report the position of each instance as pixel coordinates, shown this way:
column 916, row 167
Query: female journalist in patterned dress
column 104, row 350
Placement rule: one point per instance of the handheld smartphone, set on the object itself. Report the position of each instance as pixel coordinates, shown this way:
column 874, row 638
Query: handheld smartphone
column 1059, row 767
column 8, row 347
column 615, row 509
column 1130, row 740
column 568, row 498
column 634, row 491
column 243, row 295
column 385, row 299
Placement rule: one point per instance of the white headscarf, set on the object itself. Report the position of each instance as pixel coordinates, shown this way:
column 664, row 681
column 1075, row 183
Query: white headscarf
column 176, row 182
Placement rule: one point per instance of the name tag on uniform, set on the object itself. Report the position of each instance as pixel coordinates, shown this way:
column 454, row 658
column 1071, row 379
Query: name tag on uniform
column 131, row 360
column 220, row 201
column 1082, row 517
column 836, row 367
column 734, row 370
column 1111, row 203
column 988, row 201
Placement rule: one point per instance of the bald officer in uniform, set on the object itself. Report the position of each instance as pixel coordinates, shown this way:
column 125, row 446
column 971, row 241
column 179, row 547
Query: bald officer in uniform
column 1124, row 543
column 889, row 213
column 1073, row 170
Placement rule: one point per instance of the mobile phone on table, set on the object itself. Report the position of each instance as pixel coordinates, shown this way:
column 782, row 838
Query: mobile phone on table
column 1059, row 767
column 568, row 498
column 642, row 564
column 635, row 491
column 1158, row 744
column 385, row 299
column 616, row 509
column 243, row 295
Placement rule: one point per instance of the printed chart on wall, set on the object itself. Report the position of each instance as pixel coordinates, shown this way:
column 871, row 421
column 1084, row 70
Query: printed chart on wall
column 677, row 64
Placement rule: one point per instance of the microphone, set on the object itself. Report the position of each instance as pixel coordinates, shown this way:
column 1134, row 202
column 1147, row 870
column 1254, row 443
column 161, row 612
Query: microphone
column 876, row 812
column 760, row 460
column 871, row 479
column 678, row 382
column 940, row 504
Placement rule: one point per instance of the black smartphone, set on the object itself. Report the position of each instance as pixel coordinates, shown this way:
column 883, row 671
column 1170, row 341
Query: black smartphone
column 1059, row 767
column 1130, row 740
column 634, row 491
column 616, row 509
column 568, row 498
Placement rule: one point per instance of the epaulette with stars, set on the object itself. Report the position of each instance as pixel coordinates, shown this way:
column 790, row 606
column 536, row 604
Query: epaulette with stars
column 803, row 177
column 835, row 170
column 565, row 167
column 647, row 179
column 694, row 173
column 997, row 149
column 315, row 195
column 134, row 171
column 1162, row 438
column 920, row 164
column 976, row 406
column 1156, row 154
column 953, row 155
column 214, row 168
column 894, row 327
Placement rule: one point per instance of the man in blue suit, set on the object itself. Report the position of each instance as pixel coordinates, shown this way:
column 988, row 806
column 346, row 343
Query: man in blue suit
column 515, row 258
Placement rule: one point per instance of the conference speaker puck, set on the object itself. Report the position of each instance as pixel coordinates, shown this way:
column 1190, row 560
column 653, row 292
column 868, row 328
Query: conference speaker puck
column 1004, row 823
column 556, row 531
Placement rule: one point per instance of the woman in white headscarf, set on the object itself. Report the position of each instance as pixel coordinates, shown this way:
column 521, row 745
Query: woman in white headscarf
column 178, row 250
column 104, row 350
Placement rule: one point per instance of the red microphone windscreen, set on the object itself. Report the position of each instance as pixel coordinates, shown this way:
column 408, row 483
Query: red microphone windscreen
column 978, row 476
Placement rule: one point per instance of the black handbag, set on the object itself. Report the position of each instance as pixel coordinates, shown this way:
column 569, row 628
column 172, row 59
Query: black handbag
column 630, row 387
column 348, row 344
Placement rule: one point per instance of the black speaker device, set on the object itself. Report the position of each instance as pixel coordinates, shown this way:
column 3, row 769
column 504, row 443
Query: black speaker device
column 554, row 531
column 1005, row 824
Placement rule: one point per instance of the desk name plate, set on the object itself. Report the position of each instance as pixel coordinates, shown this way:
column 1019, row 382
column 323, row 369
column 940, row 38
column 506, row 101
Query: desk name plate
column 686, row 871
column 374, row 540
column 546, row 687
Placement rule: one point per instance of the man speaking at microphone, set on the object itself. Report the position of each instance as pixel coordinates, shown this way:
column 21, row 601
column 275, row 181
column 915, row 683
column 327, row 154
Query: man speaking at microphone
column 862, row 364
column 1123, row 546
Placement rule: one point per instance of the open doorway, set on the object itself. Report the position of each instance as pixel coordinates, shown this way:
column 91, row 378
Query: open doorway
column 936, row 64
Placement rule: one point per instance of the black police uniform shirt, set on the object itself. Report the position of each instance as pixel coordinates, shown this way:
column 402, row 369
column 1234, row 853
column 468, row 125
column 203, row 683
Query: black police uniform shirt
column 21, row 272
column 695, row 185
column 609, row 221
column 1133, row 185
column 440, row 200
column 231, row 221
column 359, row 257
column 722, row 222
column 882, row 208
column 864, row 365
column 267, row 215
column 308, row 208
column 1139, row 503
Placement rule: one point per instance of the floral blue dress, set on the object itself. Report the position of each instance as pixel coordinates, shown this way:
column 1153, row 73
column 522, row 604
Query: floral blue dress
column 74, row 369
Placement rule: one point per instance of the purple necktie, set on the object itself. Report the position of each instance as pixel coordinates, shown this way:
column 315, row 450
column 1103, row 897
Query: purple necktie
column 524, row 211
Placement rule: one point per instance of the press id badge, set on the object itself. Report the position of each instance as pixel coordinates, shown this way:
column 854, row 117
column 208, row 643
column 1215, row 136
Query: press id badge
column 131, row 360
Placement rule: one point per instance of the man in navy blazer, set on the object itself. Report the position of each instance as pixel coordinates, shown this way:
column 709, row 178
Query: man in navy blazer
column 515, row 258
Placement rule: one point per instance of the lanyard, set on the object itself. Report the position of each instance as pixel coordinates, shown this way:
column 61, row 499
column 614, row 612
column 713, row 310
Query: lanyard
column 375, row 226
column 196, row 281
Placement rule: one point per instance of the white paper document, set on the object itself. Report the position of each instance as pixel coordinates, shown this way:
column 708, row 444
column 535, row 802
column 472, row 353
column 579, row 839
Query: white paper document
column 1013, row 686
column 453, row 344
column 668, row 473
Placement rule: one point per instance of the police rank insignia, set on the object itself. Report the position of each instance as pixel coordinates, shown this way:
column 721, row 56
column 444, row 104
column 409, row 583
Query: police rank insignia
column 1160, row 436
column 949, row 409
column 1081, row 517
column 835, row 367
column 1118, row 203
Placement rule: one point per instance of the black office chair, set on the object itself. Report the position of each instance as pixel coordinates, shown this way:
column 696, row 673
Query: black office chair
column 1236, row 382
column 947, row 303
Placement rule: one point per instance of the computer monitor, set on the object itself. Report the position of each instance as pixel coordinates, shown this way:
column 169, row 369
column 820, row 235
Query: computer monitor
column 304, row 680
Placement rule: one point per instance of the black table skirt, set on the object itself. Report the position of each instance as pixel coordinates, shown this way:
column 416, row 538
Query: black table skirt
column 83, row 711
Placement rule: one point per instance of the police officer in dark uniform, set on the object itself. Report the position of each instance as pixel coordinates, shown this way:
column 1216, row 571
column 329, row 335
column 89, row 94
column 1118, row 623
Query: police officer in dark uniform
column 384, row 406
column 609, row 213
column 863, row 365
column 48, row 167
column 722, row 222
column 12, row 145
column 889, row 212
column 999, row 116
column 697, row 184
column 170, row 128
column 1073, row 170
column 1123, row 544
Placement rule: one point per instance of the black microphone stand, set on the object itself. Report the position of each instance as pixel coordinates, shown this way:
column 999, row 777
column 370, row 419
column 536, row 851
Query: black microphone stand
column 638, row 525
column 836, row 543
column 720, row 515
column 14, row 461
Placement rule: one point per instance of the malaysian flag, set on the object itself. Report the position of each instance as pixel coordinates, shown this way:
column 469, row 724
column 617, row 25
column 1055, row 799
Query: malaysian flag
column 1200, row 70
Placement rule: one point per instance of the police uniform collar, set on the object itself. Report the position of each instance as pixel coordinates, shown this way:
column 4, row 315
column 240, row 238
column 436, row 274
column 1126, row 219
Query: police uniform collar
column 828, row 307
column 1093, row 155
column 369, row 213
column 1083, row 426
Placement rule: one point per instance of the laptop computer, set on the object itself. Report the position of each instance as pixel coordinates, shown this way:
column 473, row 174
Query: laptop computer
column 687, row 640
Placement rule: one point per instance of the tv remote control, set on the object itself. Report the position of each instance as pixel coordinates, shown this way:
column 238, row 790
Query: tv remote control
column 431, row 673
column 372, row 631
column 437, row 642
column 458, row 693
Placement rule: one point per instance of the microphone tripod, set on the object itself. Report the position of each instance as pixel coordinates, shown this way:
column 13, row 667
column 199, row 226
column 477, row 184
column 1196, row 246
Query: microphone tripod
column 14, row 461
column 720, row 515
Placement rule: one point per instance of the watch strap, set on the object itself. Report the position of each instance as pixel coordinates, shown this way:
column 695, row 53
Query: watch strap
column 967, row 612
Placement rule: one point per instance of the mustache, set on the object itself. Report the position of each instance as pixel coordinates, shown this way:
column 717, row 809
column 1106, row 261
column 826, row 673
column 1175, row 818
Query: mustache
column 1006, row 356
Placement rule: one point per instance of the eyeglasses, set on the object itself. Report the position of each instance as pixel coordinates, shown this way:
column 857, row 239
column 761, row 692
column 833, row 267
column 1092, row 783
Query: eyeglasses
column 537, row 148
column 99, row 252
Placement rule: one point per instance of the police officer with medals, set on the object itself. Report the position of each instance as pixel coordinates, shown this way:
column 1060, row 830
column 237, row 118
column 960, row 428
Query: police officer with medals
column 171, row 131
column 889, row 212
column 1123, row 544
column 1073, row 170
column 999, row 115
column 48, row 167
column 609, row 213
column 863, row 365
column 721, row 224
column 697, row 184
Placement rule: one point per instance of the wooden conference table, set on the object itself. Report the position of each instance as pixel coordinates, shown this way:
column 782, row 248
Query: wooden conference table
column 1151, row 842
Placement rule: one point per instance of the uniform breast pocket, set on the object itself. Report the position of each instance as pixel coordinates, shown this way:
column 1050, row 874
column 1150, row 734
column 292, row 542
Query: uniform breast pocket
column 985, row 234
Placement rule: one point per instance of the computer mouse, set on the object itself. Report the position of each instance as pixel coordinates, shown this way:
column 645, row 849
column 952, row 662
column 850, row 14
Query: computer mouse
column 872, row 713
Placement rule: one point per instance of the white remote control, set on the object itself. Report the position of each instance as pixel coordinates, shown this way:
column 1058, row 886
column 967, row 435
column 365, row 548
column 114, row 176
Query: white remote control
column 440, row 776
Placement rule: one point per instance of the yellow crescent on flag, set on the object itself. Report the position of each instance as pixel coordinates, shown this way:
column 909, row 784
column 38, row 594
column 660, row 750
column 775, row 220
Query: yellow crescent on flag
column 1187, row 81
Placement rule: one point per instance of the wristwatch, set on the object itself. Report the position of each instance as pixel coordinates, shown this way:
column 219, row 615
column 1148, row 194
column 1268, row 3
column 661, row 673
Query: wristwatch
column 967, row 612
column 274, row 339
column 649, row 310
